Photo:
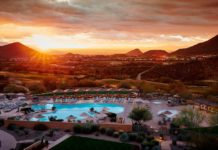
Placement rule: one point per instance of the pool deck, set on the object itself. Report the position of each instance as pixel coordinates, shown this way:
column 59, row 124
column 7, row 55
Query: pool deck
column 7, row 141
column 154, row 105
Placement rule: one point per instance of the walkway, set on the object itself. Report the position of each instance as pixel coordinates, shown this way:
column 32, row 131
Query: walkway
column 139, row 76
column 7, row 141
column 52, row 144
column 166, row 145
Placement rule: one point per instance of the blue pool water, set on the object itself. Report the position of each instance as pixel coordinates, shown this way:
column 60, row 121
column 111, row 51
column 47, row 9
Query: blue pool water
column 63, row 111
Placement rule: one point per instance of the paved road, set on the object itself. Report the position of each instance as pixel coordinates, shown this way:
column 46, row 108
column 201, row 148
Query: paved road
column 7, row 141
column 139, row 76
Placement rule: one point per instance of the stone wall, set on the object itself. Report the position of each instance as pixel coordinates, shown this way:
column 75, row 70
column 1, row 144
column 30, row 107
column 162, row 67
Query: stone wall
column 67, row 125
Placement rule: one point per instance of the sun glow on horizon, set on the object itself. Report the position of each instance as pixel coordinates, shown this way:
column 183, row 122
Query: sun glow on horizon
column 47, row 42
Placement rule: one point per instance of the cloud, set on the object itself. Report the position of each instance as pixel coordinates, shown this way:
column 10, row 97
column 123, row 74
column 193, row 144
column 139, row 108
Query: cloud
column 110, row 14
column 120, row 21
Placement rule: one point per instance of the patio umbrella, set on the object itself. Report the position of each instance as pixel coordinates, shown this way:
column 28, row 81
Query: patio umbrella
column 139, row 101
column 105, row 109
column 50, row 101
column 90, row 118
column 71, row 117
column 162, row 115
column 40, row 116
column 167, row 113
column 101, row 115
column 84, row 114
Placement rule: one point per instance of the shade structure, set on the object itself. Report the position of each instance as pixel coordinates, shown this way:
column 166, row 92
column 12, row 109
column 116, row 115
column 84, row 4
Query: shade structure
column 85, row 91
column 105, row 109
column 139, row 101
column 101, row 115
column 84, row 114
column 90, row 118
column 167, row 112
column 71, row 117
column 40, row 116
column 20, row 94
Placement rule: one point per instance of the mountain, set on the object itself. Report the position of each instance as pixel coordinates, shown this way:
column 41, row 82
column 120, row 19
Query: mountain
column 205, row 69
column 71, row 55
column 155, row 54
column 16, row 50
column 209, row 47
column 135, row 52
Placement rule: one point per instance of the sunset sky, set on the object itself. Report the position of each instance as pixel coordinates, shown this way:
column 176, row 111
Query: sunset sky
column 107, row 26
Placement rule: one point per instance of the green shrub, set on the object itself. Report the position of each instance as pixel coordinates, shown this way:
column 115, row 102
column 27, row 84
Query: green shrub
column 132, row 136
column 124, row 137
column 109, row 131
column 12, row 126
column 94, row 127
column 139, row 138
column 67, row 130
column 96, row 134
column 40, row 127
column 150, row 144
column 121, row 132
column 21, row 128
column 102, row 130
column 149, row 138
column 116, row 134
column 141, row 134
column 77, row 128
column 87, row 128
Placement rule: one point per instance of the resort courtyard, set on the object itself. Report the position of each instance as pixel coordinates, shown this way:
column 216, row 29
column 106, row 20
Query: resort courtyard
column 62, row 111
column 88, row 105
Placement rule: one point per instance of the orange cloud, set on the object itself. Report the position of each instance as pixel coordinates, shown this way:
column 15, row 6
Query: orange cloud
column 108, row 24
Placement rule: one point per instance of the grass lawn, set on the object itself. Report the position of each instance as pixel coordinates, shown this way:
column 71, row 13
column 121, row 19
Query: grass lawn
column 82, row 143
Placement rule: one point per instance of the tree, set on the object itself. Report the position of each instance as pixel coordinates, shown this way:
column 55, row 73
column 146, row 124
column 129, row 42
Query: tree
column 146, row 88
column 87, row 83
column 140, row 114
column 124, row 85
column 13, row 88
column 212, row 90
column 177, row 87
column 36, row 88
column 213, row 119
column 191, row 118
column 50, row 82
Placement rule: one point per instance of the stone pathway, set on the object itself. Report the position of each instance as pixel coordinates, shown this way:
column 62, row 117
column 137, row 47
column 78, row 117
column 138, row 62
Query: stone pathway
column 7, row 141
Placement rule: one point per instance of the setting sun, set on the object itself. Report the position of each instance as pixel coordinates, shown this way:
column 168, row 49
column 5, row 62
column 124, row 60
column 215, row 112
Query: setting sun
column 46, row 42
column 110, row 74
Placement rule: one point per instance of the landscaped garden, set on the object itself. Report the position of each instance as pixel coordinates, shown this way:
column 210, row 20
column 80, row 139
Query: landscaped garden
column 83, row 143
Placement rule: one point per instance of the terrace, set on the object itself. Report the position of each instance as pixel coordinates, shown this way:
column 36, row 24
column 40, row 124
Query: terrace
column 73, row 106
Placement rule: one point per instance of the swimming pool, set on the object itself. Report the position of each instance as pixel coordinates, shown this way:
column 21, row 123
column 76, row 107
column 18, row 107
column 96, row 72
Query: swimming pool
column 63, row 111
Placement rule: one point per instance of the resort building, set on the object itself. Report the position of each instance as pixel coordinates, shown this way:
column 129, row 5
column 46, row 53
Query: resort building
column 206, row 105
column 87, row 93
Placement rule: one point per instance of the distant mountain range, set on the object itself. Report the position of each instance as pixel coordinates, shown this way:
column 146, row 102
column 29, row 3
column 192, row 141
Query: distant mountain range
column 147, row 54
column 155, row 53
column 16, row 50
column 210, row 47
column 135, row 52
